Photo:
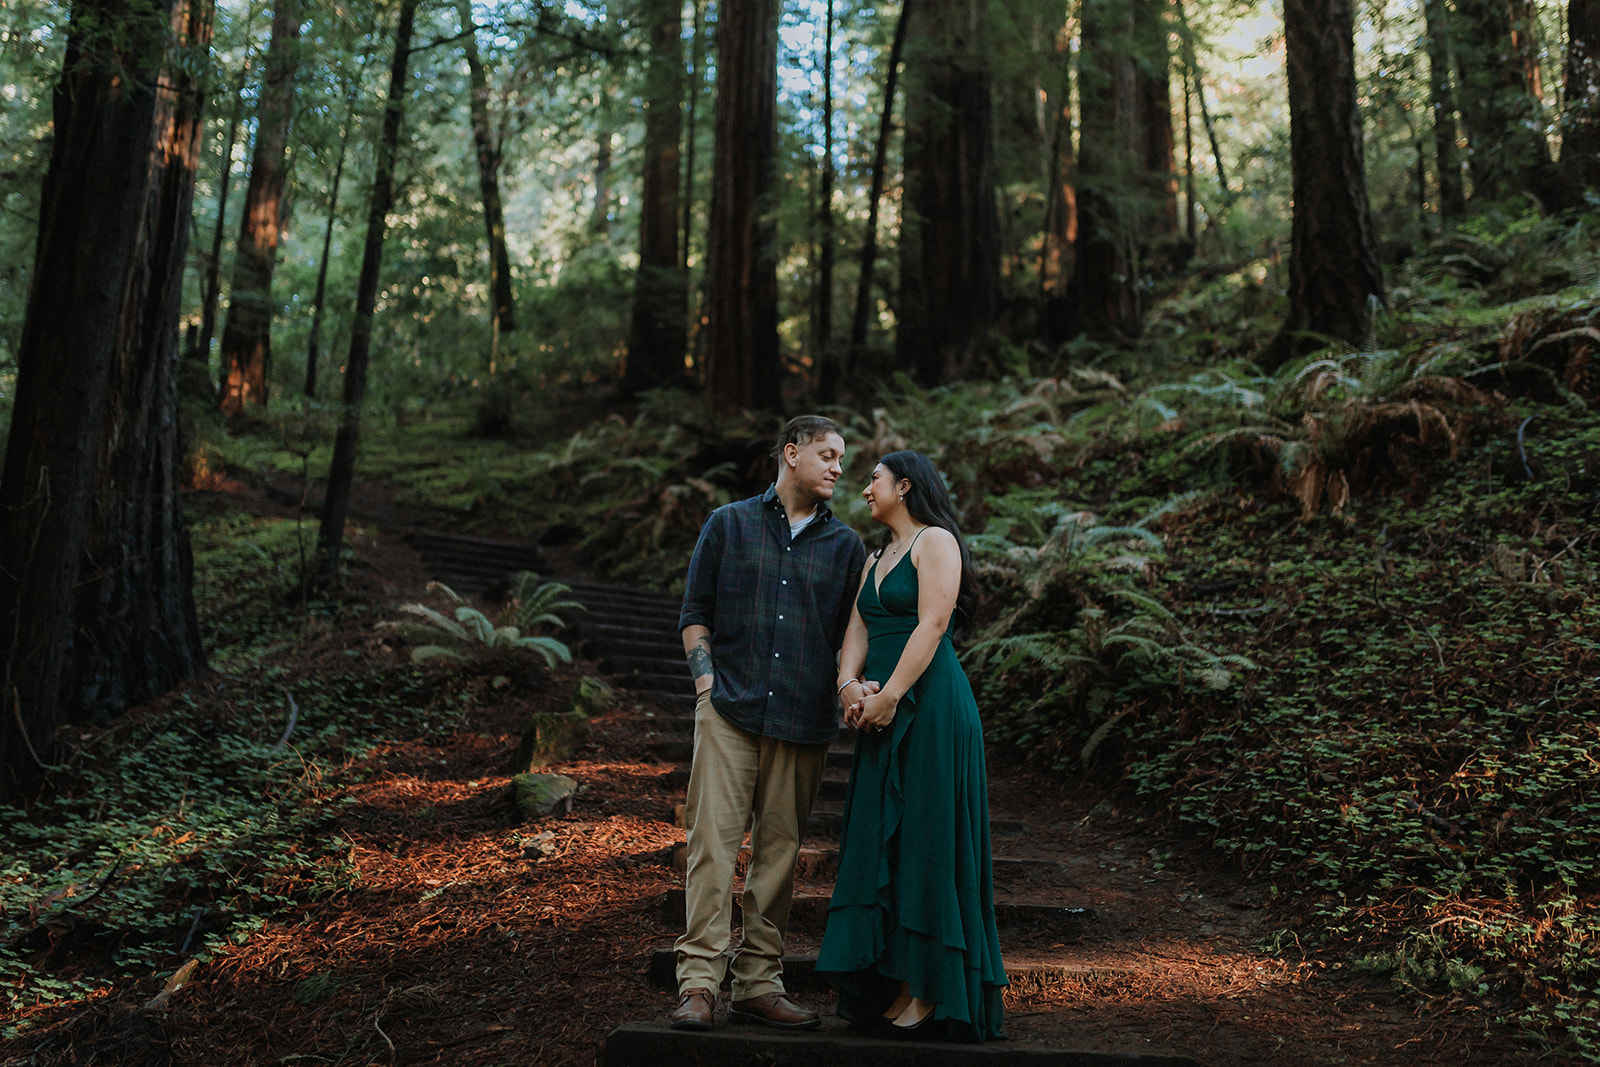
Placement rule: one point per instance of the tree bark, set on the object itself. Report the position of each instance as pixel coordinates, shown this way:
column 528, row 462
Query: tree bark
column 1111, row 167
column 880, row 162
column 656, row 336
column 211, row 283
column 503, row 317
column 741, row 371
column 96, row 594
column 1508, row 153
column 825, row 375
column 341, row 472
column 1153, row 96
column 949, row 242
column 247, row 335
column 1441, row 91
column 1580, row 119
column 1333, row 262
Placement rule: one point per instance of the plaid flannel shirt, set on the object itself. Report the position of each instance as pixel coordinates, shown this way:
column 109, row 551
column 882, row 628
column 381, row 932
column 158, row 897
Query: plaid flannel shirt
column 777, row 608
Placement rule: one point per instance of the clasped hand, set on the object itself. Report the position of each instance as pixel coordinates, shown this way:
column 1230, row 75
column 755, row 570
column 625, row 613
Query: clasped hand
column 873, row 711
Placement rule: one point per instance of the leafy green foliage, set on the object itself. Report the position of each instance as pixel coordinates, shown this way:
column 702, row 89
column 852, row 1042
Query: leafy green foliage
column 469, row 630
column 183, row 828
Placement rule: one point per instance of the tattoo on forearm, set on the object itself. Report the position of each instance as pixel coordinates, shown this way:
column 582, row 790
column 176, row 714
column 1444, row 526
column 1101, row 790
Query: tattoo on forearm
column 700, row 659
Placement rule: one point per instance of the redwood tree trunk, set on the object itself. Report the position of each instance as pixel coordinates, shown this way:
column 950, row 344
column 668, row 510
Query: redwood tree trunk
column 1111, row 165
column 949, row 241
column 487, row 146
column 880, row 160
column 656, row 335
column 825, row 373
column 341, row 472
column 1508, row 152
column 211, row 283
column 96, row 597
column 1580, row 140
column 741, row 366
column 1447, row 156
column 247, row 336
column 1333, row 262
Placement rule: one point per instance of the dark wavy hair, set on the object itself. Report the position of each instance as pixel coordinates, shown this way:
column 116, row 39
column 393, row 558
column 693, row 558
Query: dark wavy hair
column 929, row 504
column 802, row 430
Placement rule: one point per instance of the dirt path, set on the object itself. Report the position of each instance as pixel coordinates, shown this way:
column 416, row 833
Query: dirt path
column 468, row 937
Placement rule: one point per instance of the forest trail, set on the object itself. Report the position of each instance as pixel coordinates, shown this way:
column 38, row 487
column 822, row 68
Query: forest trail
column 1122, row 945
column 457, row 933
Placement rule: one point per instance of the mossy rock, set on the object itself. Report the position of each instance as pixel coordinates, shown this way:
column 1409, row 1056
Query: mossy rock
column 552, row 736
column 540, row 794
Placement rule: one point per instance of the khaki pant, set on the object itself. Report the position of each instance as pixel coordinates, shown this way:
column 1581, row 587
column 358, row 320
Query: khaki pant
column 739, row 779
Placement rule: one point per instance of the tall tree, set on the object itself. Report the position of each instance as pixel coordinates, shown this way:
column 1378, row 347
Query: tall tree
column 741, row 365
column 1580, row 119
column 880, row 162
column 319, row 297
column 1153, row 100
column 247, row 335
column 1333, row 261
column 1508, row 152
column 656, row 335
column 949, row 241
column 341, row 471
column 490, row 152
column 1111, row 165
column 826, row 374
column 96, row 596
column 199, row 356
column 1441, row 93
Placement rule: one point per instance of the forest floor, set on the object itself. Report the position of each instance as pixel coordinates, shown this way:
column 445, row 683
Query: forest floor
column 468, row 937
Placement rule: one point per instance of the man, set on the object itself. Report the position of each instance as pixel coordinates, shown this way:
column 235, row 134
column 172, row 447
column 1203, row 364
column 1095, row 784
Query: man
column 770, row 590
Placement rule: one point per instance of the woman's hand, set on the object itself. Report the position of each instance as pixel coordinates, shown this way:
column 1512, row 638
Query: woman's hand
column 875, row 710
column 852, row 695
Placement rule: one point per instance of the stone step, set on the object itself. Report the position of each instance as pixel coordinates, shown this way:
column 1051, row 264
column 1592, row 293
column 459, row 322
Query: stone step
column 602, row 630
column 628, row 653
column 808, row 913
column 827, row 819
column 473, row 565
column 631, row 594
column 1036, row 972
column 822, row 864
column 737, row 1044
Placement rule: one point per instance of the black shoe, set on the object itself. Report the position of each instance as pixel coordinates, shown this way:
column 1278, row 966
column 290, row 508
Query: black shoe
column 926, row 1028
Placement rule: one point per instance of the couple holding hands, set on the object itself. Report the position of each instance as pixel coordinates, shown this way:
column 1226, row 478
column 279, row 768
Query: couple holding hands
column 780, row 593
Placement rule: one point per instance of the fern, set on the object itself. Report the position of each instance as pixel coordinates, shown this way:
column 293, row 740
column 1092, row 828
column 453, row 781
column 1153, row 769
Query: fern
column 471, row 630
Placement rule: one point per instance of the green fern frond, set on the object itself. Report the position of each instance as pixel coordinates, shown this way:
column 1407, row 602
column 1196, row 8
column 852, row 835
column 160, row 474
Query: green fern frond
column 476, row 623
column 440, row 587
column 438, row 621
column 426, row 652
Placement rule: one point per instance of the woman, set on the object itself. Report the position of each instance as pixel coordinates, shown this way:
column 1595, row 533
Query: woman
column 910, row 943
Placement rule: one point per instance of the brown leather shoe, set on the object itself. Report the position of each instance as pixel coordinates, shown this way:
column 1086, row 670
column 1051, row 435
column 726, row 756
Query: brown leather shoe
column 697, row 1010
column 775, row 1009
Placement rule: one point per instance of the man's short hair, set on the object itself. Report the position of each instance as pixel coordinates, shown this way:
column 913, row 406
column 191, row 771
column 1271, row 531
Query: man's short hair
column 802, row 430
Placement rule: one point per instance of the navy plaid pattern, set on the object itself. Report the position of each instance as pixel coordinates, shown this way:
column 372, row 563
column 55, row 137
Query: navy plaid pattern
column 777, row 609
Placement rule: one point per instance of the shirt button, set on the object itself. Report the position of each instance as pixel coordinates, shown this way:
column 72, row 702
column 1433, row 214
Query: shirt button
column 775, row 655
column 780, row 616
column 783, row 581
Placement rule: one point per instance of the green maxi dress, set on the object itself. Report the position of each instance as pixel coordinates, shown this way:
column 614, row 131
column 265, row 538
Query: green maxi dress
column 914, row 898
